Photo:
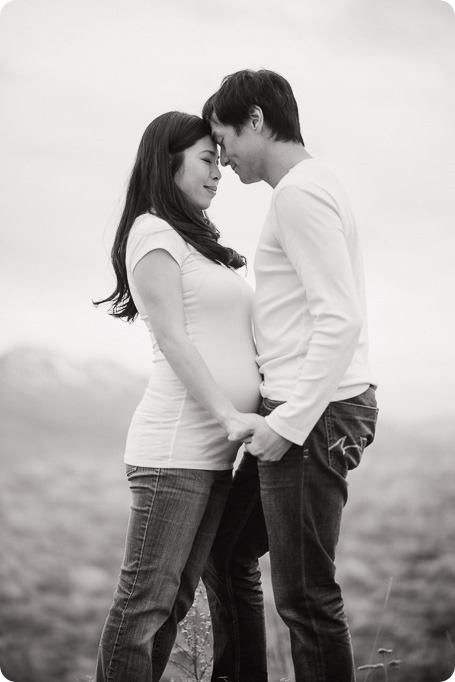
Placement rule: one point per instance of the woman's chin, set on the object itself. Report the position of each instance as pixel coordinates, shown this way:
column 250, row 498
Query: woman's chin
column 203, row 205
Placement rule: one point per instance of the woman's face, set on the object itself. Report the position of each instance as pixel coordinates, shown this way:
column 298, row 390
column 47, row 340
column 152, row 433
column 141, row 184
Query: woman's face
column 199, row 174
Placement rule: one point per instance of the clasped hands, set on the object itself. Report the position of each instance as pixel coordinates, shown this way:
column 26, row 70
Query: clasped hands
column 260, row 440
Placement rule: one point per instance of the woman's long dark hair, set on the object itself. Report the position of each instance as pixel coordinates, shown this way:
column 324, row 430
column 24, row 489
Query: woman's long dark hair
column 152, row 189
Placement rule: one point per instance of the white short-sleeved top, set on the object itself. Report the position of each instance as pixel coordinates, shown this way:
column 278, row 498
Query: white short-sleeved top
column 169, row 428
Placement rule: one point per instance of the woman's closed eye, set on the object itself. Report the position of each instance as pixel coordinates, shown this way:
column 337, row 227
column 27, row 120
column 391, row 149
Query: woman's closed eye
column 211, row 161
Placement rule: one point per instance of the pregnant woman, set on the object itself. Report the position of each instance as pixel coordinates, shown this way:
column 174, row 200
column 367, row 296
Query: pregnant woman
column 172, row 272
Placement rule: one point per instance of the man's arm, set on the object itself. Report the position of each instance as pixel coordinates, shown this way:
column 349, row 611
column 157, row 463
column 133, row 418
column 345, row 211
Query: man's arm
column 312, row 236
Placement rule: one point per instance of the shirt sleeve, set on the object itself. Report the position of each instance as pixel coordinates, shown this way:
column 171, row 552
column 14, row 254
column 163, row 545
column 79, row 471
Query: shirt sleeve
column 311, row 234
column 155, row 236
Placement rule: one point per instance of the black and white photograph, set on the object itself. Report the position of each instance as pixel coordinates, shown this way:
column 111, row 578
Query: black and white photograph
column 227, row 384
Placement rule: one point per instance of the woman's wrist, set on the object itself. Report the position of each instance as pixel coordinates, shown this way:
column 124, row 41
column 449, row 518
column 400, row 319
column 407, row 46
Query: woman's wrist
column 226, row 414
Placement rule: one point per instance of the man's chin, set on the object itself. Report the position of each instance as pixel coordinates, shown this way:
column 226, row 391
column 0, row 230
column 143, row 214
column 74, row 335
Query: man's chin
column 248, row 180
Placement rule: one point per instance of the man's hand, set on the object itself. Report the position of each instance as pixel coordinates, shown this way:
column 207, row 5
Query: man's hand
column 261, row 440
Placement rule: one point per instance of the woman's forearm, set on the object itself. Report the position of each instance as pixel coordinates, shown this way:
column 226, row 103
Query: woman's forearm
column 189, row 366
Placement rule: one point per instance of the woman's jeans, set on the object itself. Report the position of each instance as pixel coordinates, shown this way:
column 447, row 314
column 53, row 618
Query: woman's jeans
column 292, row 507
column 174, row 517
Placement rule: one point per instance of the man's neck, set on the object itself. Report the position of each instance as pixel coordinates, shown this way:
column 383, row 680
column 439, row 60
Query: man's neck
column 280, row 157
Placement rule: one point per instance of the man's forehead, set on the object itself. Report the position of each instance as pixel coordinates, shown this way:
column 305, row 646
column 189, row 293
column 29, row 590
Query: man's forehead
column 214, row 119
column 218, row 129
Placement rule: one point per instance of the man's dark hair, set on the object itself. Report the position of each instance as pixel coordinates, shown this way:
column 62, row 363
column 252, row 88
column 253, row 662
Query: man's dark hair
column 266, row 89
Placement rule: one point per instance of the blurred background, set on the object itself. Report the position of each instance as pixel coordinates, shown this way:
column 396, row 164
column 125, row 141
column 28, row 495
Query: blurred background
column 79, row 83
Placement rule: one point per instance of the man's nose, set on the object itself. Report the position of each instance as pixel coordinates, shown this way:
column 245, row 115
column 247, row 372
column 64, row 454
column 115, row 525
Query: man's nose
column 223, row 158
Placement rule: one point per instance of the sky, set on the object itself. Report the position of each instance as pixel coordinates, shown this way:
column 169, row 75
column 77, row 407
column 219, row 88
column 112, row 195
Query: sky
column 80, row 81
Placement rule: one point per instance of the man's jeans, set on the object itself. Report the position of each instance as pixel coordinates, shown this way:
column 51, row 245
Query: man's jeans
column 302, row 496
column 174, row 517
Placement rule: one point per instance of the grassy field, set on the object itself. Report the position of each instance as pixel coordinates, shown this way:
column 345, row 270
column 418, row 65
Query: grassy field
column 64, row 507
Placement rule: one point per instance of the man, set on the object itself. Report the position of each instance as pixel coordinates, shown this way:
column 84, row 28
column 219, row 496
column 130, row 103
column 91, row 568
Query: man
column 318, row 411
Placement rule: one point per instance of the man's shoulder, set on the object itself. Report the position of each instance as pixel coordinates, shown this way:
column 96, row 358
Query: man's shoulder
column 307, row 175
column 309, row 181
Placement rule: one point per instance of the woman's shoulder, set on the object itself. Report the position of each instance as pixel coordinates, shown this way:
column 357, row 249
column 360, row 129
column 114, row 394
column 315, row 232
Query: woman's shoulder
column 147, row 223
column 150, row 227
column 149, row 232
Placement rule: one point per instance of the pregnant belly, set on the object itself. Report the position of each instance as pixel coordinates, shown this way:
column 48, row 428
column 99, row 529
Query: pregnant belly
column 239, row 382
column 237, row 378
column 231, row 361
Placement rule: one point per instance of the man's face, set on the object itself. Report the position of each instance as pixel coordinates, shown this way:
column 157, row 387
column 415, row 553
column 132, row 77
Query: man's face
column 241, row 152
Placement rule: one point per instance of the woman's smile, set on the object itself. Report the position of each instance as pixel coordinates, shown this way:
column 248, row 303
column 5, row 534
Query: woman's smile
column 211, row 189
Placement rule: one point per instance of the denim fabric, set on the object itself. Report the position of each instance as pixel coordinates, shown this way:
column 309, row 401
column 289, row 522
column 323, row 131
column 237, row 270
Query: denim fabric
column 233, row 582
column 174, row 517
column 302, row 496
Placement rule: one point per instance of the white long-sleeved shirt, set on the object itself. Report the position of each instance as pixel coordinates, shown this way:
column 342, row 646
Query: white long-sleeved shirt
column 309, row 310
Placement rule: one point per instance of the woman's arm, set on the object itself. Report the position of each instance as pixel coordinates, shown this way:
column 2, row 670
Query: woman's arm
column 157, row 277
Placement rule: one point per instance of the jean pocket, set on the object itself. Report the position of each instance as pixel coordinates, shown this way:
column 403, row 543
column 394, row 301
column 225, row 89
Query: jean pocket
column 350, row 429
column 268, row 405
column 130, row 469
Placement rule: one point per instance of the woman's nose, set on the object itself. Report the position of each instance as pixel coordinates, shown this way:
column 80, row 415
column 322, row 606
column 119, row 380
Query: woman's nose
column 216, row 173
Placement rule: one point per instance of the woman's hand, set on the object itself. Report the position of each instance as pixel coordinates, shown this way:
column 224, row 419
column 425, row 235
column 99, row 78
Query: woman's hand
column 263, row 442
column 240, row 426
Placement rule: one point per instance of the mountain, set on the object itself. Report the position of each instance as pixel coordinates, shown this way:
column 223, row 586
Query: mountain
column 48, row 394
